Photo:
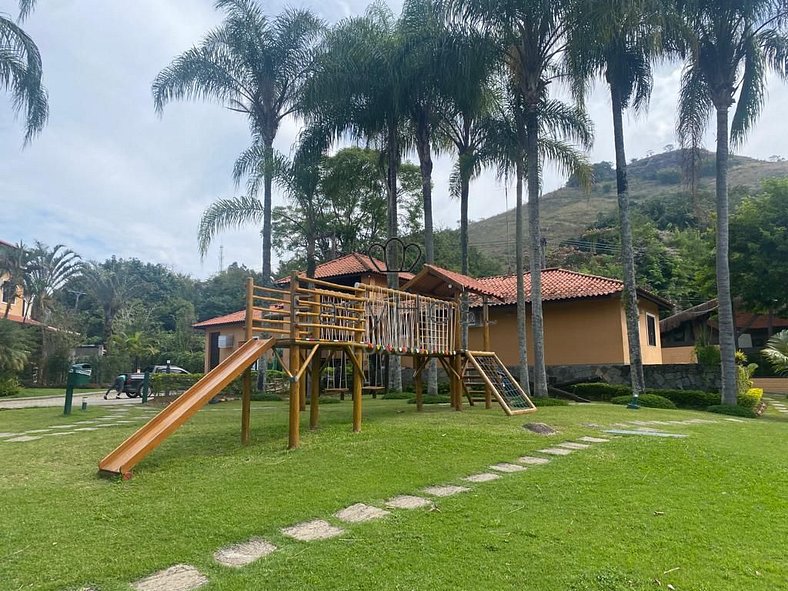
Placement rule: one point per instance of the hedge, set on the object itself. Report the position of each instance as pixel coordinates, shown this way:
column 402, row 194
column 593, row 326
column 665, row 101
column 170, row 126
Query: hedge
column 735, row 411
column 542, row 401
column 646, row 400
column 601, row 391
column 432, row 399
column 688, row 399
column 751, row 399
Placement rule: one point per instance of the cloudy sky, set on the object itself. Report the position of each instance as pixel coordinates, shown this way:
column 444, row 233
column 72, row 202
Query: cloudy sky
column 109, row 177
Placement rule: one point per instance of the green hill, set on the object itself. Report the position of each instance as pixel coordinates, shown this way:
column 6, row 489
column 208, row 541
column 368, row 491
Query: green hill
column 566, row 212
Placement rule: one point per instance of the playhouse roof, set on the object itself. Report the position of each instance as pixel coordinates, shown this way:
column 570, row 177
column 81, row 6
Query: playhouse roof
column 440, row 282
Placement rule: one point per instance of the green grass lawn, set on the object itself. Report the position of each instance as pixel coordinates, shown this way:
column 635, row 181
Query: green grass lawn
column 707, row 512
column 31, row 392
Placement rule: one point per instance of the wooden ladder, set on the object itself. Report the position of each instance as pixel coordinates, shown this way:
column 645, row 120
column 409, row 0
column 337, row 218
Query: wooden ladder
column 484, row 368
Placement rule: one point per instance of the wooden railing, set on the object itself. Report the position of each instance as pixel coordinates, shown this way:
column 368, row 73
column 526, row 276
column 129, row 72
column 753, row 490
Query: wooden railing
column 377, row 317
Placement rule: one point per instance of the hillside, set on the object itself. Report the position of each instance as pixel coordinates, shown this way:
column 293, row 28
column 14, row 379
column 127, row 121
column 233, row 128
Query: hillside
column 566, row 212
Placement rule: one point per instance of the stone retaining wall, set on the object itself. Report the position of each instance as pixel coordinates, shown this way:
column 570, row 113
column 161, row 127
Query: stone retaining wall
column 679, row 376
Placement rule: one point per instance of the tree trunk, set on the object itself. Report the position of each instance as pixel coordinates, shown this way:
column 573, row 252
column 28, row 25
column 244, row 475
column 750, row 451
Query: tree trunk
column 424, row 149
column 630, row 294
column 267, row 181
column 535, row 235
column 522, row 312
column 725, row 309
column 464, row 194
column 392, row 256
column 311, row 264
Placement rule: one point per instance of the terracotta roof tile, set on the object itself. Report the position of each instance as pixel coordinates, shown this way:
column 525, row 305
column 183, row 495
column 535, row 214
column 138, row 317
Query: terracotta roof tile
column 238, row 317
column 351, row 264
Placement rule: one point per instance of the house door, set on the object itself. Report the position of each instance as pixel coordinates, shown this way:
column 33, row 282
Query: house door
column 213, row 350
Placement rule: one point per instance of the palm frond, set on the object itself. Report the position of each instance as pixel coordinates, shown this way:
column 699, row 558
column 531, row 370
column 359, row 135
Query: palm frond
column 695, row 106
column 776, row 352
column 752, row 94
column 225, row 214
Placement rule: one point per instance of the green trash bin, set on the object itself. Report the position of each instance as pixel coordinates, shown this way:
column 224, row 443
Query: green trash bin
column 78, row 375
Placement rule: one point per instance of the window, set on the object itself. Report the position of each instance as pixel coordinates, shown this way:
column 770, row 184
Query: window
column 651, row 329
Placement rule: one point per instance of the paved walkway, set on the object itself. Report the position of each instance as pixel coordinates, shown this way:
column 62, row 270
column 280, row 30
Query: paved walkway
column 94, row 399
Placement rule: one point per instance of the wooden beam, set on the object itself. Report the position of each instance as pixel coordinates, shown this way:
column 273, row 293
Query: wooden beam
column 246, row 391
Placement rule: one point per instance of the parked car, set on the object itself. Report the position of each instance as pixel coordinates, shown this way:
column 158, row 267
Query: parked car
column 135, row 380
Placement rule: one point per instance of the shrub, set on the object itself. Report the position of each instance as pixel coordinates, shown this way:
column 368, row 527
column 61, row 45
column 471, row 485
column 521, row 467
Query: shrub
column 542, row 401
column 397, row 395
column 266, row 397
column 601, row 391
column 750, row 399
column 691, row 399
column 708, row 355
column 431, row 399
column 326, row 400
column 175, row 382
column 646, row 400
column 735, row 411
column 9, row 385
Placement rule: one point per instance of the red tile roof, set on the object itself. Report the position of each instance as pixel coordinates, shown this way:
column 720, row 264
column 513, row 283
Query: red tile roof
column 234, row 318
column 558, row 284
column 20, row 319
column 432, row 277
column 351, row 264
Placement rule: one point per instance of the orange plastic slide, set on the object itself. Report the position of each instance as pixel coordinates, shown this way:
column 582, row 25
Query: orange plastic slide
column 129, row 453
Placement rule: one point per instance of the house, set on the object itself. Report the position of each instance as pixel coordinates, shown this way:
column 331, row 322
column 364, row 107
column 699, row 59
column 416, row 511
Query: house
column 698, row 325
column 224, row 334
column 16, row 313
column 584, row 319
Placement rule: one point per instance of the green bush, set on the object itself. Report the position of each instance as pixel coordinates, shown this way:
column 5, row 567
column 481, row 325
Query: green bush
column 431, row 399
column 326, row 400
column 708, row 355
column 750, row 399
column 646, row 400
column 397, row 395
column 173, row 382
column 689, row 399
column 542, row 401
column 601, row 391
column 9, row 386
column 734, row 411
column 266, row 397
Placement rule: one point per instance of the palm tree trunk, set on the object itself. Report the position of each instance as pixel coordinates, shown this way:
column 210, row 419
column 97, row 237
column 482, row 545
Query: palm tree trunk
column 630, row 294
column 424, row 149
column 311, row 264
column 522, row 312
column 267, row 181
column 535, row 235
column 464, row 195
column 392, row 256
column 725, row 309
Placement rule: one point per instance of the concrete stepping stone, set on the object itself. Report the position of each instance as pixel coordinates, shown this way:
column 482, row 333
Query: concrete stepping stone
column 180, row 577
column 59, row 434
column 573, row 445
column 24, row 438
column 589, row 439
column 445, row 490
column 61, row 426
column 408, row 502
column 556, row 451
column 244, row 553
column 8, row 435
column 37, row 431
column 84, row 422
column 308, row 531
column 86, row 429
column 507, row 468
column 359, row 513
column 646, row 433
column 483, row 477
column 731, row 420
column 532, row 461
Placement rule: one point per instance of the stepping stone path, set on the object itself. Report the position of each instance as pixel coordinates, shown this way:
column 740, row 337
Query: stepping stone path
column 180, row 577
column 483, row 477
column 408, row 502
column 9, row 434
column 445, row 490
column 86, row 429
column 507, row 468
column 533, row 461
column 589, row 439
column 24, row 438
column 556, row 451
column 359, row 513
column 38, row 431
column 312, row 530
column 244, row 553
column 647, row 433
column 573, row 445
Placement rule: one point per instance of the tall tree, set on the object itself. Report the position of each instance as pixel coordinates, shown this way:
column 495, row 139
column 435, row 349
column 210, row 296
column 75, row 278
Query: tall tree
column 16, row 264
column 108, row 287
column 21, row 71
column 532, row 37
column 619, row 40
column 731, row 46
column 51, row 270
column 254, row 66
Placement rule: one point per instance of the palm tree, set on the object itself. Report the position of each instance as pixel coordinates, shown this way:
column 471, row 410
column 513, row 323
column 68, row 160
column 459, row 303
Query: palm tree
column 21, row 71
column 51, row 270
column 16, row 346
column 109, row 289
column 731, row 46
column 532, row 38
column 253, row 66
column 16, row 264
column 776, row 352
column 505, row 148
column 619, row 40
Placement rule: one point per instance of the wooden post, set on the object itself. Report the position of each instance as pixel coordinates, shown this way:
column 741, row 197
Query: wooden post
column 246, row 392
column 418, row 384
column 455, row 360
column 314, row 392
column 457, row 364
column 295, row 363
column 486, row 346
column 302, row 388
column 358, row 384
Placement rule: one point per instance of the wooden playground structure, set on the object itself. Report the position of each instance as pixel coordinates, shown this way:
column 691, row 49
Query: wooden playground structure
column 314, row 321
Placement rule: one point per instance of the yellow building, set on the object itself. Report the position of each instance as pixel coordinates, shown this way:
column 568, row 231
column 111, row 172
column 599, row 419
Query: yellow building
column 17, row 310
column 584, row 319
